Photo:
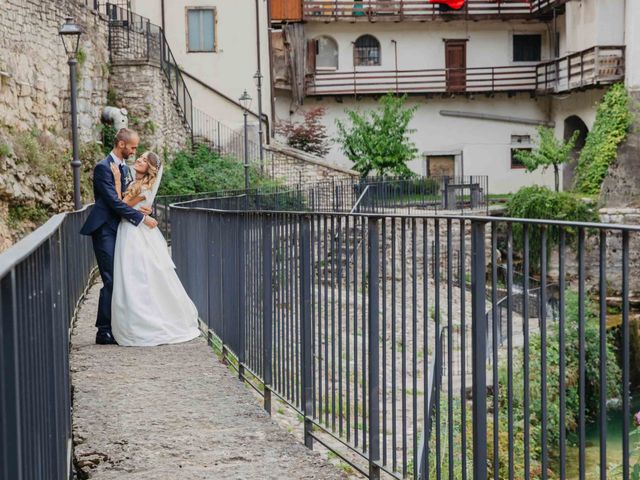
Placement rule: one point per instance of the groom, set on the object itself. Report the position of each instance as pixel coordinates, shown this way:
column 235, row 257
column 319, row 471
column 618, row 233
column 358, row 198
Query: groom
column 102, row 223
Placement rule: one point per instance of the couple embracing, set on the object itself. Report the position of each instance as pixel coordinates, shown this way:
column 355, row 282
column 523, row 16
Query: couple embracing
column 142, row 302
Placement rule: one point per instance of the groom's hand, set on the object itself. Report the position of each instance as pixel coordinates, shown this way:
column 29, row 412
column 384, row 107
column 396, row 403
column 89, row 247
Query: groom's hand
column 146, row 210
column 150, row 222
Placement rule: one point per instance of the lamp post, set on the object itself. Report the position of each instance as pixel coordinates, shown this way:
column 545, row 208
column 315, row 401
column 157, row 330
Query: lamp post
column 245, row 101
column 70, row 35
column 258, row 78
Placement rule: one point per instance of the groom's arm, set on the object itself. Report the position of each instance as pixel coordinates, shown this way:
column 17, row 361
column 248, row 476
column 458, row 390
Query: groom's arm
column 104, row 185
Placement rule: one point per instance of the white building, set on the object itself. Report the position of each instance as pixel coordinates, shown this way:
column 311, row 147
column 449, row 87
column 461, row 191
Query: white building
column 215, row 42
column 483, row 77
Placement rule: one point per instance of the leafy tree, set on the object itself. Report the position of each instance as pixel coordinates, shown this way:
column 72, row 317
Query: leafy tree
column 379, row 140
column 550, row 152
column 310, row 135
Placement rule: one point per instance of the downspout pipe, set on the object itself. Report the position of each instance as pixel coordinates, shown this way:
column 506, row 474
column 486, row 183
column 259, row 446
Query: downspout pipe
column 162, row 14
column 258, row 77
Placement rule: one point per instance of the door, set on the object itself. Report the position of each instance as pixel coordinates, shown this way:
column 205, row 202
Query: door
column 456, row 65
column 441, row 166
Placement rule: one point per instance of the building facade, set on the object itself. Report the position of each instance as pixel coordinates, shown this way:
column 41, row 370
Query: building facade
column 484, row 77
column 220, row 47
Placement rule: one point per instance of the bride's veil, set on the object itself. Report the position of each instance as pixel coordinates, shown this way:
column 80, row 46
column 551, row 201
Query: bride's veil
column 156, row 185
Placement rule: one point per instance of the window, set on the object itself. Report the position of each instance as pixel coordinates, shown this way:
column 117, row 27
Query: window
column 326, row 53
column 527, row 48
column 519, row 143
column 201, row 36
column 366, row 51
column 515, row 162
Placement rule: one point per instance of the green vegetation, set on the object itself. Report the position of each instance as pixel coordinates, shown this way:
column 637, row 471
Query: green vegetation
column 203, row 170
column 613, row 120
column 543, row 203
column 378, row 141
column 25, row 213
column 5, row 150
column 552, row 363
column 550, row 152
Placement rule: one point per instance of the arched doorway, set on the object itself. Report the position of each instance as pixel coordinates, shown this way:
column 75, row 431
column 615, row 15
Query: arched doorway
column 572, row 124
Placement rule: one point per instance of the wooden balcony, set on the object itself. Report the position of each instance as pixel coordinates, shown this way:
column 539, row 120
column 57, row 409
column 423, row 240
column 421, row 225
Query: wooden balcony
column 421, row 10
column 589, row 68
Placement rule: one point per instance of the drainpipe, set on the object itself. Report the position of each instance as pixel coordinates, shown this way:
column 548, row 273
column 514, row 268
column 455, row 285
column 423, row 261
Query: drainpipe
column 258, row 77
column 162, row 13
column 271, row 86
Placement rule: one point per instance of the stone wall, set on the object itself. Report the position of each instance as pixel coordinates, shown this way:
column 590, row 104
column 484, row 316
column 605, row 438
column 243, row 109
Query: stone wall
column 297, row 167
column 142, row 89
column 34, row 76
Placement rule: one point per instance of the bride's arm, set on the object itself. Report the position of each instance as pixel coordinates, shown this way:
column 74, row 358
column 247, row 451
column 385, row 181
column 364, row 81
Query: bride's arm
column 133, row 201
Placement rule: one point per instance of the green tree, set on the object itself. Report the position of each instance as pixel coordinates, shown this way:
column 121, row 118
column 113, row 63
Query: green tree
column 550, row 152
column 378, row 141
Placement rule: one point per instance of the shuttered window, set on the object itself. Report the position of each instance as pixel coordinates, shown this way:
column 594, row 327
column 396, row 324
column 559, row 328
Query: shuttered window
column 201, row 28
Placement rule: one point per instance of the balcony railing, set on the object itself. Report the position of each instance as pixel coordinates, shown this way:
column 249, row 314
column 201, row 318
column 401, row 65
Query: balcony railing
column 420, row 10
column 595, row 66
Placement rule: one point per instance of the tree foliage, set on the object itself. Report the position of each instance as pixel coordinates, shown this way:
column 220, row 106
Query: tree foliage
column 203, row 170
column 550, row 152
column 613, row 120
column 379, row 141
column 310, row 135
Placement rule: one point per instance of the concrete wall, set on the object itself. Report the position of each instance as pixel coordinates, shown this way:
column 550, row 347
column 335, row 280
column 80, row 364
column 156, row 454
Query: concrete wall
column 594, row 22
column 231, row 68
column 632, row 34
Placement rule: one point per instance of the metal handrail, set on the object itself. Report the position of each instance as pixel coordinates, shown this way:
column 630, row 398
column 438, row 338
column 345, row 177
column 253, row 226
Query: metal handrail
column 362, row 195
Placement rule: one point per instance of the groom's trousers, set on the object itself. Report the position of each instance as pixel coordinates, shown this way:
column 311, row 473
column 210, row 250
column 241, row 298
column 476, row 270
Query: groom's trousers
column 104, row 246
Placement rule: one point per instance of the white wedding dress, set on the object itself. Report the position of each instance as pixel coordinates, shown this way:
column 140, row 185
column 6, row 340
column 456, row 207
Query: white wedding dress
column 149, row 305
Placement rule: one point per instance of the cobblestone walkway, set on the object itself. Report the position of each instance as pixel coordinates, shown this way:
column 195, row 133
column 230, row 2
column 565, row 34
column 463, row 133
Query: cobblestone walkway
column 173, row 412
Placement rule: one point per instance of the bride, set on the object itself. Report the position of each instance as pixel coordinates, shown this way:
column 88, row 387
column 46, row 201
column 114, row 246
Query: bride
column 149, row 305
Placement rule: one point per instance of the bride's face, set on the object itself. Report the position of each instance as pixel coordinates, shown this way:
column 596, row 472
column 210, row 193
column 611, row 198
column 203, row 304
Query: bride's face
column 141, row 165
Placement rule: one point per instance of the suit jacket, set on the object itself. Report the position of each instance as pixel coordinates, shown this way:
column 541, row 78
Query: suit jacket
column 108, row 208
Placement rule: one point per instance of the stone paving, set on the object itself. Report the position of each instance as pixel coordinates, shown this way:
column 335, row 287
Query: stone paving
column 173, row 412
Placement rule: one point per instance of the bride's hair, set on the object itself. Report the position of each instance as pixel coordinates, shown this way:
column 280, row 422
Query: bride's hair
column 150, row 176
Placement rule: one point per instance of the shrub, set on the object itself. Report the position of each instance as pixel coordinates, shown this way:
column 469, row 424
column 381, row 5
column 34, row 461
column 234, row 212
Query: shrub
column 203, row 170
column 379, row 141
column 542, row 203
column 613, row 119
column 309, row 135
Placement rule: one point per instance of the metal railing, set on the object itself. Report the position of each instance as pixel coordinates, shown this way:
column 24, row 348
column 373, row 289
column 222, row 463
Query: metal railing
column 591, row 67
column 345, row 335
column 42, row 279
column 380, row 10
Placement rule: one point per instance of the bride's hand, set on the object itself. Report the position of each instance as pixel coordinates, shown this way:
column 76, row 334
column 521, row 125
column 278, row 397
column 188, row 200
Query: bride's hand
column 117, row 176
column 146, row 210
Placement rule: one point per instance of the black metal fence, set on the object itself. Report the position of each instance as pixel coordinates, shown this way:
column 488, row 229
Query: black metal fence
column 386, row 357
column 41, row 280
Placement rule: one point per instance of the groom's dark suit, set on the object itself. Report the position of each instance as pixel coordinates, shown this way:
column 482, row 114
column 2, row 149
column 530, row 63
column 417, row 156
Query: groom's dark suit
column 102, row 226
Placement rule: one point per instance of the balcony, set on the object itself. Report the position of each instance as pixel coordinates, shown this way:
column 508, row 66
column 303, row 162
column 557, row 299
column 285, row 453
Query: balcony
column 589, row 68
column 420, row 10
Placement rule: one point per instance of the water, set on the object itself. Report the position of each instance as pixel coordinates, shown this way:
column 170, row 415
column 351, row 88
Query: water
column 614, row 445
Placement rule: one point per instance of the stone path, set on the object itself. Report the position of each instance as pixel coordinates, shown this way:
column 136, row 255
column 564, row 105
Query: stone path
column 173, row 412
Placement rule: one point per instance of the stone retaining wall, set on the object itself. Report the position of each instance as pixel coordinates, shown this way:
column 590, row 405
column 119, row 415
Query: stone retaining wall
column 297, row 167
column 34, row 76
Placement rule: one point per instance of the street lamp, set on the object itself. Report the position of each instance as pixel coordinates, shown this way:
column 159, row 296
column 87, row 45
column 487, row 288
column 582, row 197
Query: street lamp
column 258, row 78
column 245, row 101
column 70, row 35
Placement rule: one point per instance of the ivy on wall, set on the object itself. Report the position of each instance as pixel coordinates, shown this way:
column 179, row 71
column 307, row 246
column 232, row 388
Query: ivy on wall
column 613, row 120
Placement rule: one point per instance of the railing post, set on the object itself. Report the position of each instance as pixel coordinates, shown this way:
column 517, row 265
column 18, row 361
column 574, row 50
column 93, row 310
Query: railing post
column 242, row 289
column 11, row 381
column 267, row 312
column 305, row 331
column 479, row 348
column 374, row 351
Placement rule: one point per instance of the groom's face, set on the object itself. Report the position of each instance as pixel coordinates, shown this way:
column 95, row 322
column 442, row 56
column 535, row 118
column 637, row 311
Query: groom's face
column 129, row 148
